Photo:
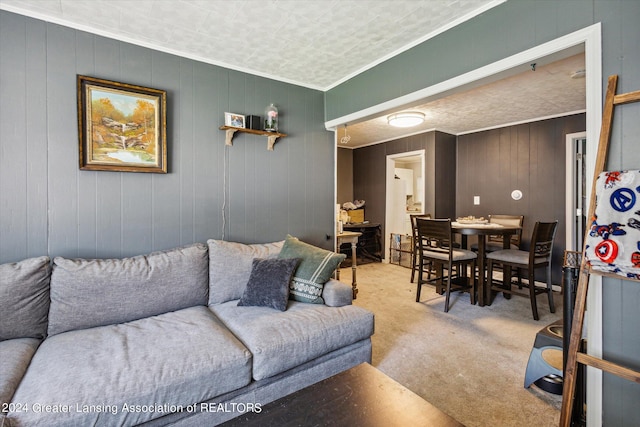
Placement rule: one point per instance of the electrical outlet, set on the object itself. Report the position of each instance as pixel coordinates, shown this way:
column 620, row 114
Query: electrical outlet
column 476, row 200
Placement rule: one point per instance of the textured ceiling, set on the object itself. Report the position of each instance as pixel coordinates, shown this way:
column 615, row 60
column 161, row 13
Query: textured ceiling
column 548, row 91
column 321, row 43
column 316, row 43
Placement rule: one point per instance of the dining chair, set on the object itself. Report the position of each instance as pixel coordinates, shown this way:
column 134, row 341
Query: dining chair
column 538, row 256
column 495, row 242
column 415, row 247
column 434, row 246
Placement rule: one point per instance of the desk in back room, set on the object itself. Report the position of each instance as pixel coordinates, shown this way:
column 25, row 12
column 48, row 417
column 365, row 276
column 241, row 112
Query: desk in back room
column 369, row 247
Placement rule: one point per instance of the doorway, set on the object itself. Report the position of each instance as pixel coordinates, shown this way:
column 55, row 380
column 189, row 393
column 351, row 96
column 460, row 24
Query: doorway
column 405, row 187
column 576, row 190
column 591, row 37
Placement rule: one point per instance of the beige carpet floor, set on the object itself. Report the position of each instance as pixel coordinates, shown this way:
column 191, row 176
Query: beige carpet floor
column 469, row 362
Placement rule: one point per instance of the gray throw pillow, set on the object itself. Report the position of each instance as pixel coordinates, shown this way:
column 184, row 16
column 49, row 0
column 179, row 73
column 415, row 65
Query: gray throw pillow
column 268, row 284
column 316, row 268
column 24, row 298
column 230, row 266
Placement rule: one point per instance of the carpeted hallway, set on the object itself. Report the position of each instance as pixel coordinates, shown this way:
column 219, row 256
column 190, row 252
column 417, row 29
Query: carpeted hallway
column 469, row 362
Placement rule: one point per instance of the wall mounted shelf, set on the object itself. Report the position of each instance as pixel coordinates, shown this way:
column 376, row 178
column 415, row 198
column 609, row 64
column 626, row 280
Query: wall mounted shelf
column 271, row 136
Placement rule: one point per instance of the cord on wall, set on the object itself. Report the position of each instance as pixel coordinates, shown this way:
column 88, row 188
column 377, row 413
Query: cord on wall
column 224, row 189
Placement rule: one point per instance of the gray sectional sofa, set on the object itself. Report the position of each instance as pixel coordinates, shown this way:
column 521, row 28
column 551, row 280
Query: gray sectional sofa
column 160, row 339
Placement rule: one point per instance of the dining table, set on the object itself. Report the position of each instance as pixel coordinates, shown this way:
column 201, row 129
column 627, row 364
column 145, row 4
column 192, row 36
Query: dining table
column 482, row 229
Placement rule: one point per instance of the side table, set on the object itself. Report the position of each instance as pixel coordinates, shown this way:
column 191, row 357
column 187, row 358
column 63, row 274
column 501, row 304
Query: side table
column 370, row 243
column 349, row 237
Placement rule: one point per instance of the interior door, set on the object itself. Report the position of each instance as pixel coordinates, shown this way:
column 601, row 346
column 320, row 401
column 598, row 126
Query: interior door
column 581, row 191
column 576, row 190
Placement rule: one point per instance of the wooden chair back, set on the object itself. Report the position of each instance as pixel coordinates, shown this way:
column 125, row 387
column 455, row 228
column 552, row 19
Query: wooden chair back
column 414, row 226
column 509, row 221
column 434, row 234
column 542, row 242
column 416, row 246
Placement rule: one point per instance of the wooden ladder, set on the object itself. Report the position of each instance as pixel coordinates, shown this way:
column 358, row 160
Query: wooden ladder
column 575, row 356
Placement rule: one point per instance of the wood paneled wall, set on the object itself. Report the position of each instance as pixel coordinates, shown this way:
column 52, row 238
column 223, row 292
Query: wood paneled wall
column 528, row 157
column 370, row 165
column 344, row 180
column 243, row 193
column 491, row 164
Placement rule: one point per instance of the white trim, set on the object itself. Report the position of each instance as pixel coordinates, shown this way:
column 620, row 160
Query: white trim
column 593, row 64
column 592, row 38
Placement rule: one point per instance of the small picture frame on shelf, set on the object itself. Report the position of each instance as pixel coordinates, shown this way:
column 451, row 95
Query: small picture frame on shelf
column 234, row 120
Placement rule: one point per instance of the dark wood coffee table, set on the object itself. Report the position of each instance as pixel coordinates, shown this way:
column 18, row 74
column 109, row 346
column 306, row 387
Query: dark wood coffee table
column 360, row 396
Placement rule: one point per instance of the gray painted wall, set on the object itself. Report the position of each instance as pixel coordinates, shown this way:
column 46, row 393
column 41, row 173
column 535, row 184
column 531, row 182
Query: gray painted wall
column 512, row 27
column 48, row 206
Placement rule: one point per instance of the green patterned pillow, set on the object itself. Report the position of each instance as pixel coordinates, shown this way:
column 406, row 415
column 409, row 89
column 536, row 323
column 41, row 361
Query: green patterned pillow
column 315, row 269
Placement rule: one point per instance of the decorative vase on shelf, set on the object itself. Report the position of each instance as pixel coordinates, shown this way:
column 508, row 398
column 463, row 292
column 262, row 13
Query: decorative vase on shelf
column 271, row 118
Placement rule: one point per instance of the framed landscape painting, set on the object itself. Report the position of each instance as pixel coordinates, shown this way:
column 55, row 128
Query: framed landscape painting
column 121, row 127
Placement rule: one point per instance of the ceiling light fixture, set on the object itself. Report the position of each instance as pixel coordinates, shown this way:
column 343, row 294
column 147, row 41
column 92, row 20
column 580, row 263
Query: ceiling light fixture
column 406, row 119
column 346, row 138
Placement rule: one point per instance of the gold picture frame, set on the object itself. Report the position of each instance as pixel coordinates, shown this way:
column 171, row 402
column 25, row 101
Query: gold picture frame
column 121, row 127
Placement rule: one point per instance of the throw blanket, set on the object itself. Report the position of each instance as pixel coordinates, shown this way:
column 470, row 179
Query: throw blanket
column 613, row 243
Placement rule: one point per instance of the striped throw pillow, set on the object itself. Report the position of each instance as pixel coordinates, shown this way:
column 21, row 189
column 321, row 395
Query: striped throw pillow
column 315, row 269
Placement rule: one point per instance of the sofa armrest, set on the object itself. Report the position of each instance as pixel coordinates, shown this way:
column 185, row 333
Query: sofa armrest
column 336, row 293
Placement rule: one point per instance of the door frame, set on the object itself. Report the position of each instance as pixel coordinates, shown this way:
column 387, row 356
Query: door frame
column 390, row 166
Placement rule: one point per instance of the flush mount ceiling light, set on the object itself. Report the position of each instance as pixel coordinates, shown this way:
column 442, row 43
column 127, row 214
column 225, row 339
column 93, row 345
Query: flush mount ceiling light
column 406, row 119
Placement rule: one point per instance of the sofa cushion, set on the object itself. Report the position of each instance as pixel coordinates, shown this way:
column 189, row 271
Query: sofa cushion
column 268, row 285
column 178, row 358
column 282, row 340
column 316, row 268
column 230, row 267
column 15, row 356
column 24, row 298
column 94, row 292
